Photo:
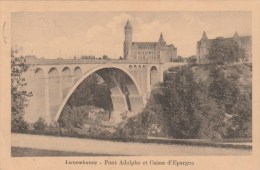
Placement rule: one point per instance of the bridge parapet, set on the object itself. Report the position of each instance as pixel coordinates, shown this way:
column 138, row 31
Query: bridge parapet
column 40, row 61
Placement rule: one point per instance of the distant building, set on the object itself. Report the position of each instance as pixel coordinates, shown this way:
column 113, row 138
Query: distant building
column 152, row 51
column 204, row 44
column 88, row 57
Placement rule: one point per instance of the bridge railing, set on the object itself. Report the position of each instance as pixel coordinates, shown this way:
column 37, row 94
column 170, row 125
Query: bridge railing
column 41, row 61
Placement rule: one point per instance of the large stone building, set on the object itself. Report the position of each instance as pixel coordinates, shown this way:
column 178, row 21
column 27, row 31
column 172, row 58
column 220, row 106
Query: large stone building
column 152, row 51
column 204, row 44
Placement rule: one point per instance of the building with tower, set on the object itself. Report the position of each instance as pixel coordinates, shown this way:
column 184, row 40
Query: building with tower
column 150, row 51
column 203, row 45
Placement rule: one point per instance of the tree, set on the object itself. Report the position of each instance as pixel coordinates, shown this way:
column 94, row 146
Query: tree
column 73, row 117
column 192, row 60
column 40, row 124
column 178, row 59
column 180, row 103
column 19, row 97
column 174, row 107
column 138, row 125
column 105, row 57
column 223, row 51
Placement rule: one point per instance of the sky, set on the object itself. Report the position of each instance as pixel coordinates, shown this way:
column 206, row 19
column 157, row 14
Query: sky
column 69, row 34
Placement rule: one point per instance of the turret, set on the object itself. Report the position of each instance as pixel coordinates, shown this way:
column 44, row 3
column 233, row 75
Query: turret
column 236, row 37
column 161, row 40
column 128, row 40
column 204, row 36
column 202, row 48
column 128, row 25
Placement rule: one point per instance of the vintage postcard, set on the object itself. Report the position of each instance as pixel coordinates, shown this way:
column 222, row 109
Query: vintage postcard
column 122, row 85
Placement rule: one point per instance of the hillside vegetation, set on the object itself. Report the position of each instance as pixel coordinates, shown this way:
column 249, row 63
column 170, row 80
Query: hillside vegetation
column 205, row 101
column 201, row 101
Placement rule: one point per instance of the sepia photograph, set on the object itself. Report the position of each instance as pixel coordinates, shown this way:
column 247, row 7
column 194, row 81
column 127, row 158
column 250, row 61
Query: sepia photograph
column 131, row 83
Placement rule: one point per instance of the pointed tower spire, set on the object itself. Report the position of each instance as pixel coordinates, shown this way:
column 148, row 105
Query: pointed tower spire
column 161, row 40
column 128, row 25
column 204, row 36
column 236, row 35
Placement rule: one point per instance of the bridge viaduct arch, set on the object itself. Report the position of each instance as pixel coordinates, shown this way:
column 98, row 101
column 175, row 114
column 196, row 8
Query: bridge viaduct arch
column 118, row 98
column 53, row 81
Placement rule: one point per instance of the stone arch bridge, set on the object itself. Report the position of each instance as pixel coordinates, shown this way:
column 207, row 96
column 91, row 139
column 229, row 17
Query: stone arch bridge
column 52, row 82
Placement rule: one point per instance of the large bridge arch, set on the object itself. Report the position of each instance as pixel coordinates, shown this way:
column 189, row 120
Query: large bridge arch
column 135, row 97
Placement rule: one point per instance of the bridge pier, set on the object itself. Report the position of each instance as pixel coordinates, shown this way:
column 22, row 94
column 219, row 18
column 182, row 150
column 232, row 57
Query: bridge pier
column 119, row 106
column 136, row 102
column 119, row 103
column 47, row 101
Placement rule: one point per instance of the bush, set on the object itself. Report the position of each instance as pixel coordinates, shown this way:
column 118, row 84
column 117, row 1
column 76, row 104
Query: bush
column 192, row 61
column 19, row 125
column 40, row 124
column 73, row 117
column 95, row 131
